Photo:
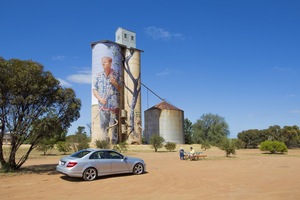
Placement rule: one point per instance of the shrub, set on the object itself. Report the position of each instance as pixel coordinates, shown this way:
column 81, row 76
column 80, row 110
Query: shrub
column 63, row 147
column 273, row 146
column 144, row 140
column 122, row 147
column 45, row 145
column 78, row 141
column 205, row 145
column 228, row 145
column 239, row 144
column 170, row 146
column 102, row 144
column 156, row 142
column 83, row 145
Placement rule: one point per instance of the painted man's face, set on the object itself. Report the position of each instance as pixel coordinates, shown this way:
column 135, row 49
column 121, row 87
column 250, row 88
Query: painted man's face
column 106, row 63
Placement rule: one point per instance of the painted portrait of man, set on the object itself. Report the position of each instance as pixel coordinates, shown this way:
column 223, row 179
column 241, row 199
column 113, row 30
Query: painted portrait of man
column 106, row 88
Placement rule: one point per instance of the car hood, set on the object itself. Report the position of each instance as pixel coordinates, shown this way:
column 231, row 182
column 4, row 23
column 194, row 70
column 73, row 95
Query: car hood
column 134, row 159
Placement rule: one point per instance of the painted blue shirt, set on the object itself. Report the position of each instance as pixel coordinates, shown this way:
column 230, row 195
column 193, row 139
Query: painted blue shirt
column 107, row 90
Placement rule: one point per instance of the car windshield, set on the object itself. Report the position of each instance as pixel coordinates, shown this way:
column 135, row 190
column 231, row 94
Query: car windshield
column 80, row 154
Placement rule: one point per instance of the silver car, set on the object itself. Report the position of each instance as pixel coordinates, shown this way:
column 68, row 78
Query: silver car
column 91, row 163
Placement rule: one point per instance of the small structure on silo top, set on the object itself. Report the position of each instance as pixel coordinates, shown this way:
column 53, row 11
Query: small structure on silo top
column 165, row 120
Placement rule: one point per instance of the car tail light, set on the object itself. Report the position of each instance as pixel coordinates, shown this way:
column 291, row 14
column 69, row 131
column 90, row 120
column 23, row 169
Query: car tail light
column 71, row 164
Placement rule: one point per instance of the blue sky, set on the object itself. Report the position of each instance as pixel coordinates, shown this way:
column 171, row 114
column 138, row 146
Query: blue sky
column 239, row 59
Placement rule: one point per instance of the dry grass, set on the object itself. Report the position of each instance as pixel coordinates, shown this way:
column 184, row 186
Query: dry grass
column 214, row 154
column 251, row 174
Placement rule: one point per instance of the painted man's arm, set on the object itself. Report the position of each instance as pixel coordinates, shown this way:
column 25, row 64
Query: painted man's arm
column 100, row 99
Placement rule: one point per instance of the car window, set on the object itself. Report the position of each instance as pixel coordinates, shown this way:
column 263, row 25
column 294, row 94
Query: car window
column 114, row 155
column 80, row 154
column 98, row 155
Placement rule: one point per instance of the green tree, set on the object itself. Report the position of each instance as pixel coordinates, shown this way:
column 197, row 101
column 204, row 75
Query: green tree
column 205, row 145
column 170, row 146
column 55, row 133
column 228, row 145
column 210, row 127
column 156, row 142
column 188, row 131
column 239, row 143
column 63, row 146
column 144, row 140
column 45, row 145
column 290, row 135
column 250, row 138
column 33, row 106
column 273, row 146
column 274, row 133
column 83, row 139
column 80, row 140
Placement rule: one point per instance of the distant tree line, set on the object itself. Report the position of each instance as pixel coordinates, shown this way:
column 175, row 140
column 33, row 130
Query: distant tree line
column 212, row 129
column 289, row 135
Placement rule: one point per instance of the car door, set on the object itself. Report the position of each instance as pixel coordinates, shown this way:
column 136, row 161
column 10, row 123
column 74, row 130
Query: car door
column 118, row 164
column 101, row 163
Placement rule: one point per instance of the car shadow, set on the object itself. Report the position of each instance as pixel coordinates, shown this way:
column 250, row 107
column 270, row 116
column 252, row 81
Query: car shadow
column 40, row 169
column 73, row 179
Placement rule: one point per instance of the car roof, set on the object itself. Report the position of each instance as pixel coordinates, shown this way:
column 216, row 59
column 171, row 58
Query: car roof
column 93, row 149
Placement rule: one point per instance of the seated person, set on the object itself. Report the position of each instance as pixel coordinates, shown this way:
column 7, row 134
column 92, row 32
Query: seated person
column 192, row 152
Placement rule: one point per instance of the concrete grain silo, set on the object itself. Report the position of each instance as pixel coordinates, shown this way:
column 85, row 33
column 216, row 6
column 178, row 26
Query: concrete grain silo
column 116, row 90
column 167, row 121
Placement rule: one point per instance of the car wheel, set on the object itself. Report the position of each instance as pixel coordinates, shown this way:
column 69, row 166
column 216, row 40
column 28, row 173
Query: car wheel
column 138, row 168
column 90, row 174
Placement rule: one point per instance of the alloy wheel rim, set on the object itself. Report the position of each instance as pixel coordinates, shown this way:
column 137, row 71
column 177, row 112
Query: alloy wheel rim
column 90, row 174
column 138, row 169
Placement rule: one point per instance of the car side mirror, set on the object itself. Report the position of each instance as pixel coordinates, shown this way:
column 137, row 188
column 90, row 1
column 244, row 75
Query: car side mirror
column 125, row 158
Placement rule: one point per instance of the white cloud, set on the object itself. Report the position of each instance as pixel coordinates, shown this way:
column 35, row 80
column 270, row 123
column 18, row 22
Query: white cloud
column 64, row 58
column 64, row 83
column 58, row 57
column 159, row 33
column 81, row 77
column 295, row 111
column 290, row 95
column 282, row 69
column 250, row 116
column 167, row 72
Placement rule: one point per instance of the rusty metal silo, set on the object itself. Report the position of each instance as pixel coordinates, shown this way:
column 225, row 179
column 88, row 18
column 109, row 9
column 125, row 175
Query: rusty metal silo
column 167, row 121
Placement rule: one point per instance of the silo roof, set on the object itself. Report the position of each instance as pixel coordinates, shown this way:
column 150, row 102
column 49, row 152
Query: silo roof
column 165, row 106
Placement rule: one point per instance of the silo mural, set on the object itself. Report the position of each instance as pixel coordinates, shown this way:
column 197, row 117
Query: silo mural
column 132, row 95
column 107, row 72
column 116, row 98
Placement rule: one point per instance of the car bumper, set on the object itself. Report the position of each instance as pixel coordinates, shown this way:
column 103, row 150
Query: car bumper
column 68, row 171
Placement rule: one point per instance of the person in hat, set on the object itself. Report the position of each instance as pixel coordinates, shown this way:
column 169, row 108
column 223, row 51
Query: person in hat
column 181, row 153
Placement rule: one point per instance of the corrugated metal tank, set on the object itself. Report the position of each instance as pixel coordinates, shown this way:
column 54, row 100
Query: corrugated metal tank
column 167, row 121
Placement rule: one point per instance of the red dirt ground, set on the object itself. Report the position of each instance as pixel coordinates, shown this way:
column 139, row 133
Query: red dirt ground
column 251, row 174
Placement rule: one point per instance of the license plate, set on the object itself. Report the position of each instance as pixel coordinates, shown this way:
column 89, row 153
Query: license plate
column 61, row 162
